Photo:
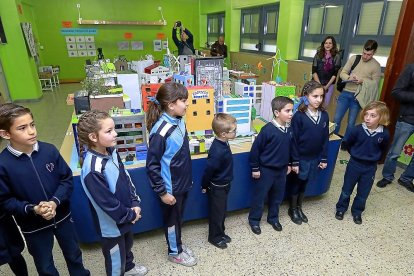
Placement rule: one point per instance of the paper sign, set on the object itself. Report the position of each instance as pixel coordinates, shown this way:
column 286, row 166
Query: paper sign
column 160, row 35
column 127, row 35
column 67, row 24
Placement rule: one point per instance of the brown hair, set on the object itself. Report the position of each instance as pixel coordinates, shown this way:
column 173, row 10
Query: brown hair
column 9, row 112
column 168, row 93
column 308, row 88
column 222, row 122
column 371, row 45
column 89, row 123
column 321, row 49
column 279, row 102
column 381, row 109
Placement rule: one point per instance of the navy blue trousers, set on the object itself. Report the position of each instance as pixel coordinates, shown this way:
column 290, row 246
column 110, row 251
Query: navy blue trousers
column 356, row 173
column 117, row 253
column 271, row 185
column 217, row 197
column 173, row 220
column 40, row 245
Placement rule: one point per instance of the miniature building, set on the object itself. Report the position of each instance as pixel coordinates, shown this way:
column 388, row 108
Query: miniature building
column 200, row 112
column 148, row 90
column 184, row 79
column 269, row 91
column 250, row 90
column 131, row 131
column 240, row 108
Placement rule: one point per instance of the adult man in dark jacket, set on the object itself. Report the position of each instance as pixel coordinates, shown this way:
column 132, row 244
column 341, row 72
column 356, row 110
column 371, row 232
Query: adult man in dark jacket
column 185, row 45
column 219, row 49
column 403, row 92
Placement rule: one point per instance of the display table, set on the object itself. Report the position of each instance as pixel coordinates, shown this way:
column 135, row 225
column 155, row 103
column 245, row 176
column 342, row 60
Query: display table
column 197, row 208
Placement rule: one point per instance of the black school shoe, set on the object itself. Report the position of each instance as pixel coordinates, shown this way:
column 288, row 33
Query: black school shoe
column 226, row 238
column 256, row 229
column 277, row 226
column 407, row 184
column 339, row 215
column 358, row 219
column 220, row 244
column 383, row 183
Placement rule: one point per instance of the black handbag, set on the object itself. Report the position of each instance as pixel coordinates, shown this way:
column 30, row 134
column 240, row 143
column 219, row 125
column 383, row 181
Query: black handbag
column 341, row 85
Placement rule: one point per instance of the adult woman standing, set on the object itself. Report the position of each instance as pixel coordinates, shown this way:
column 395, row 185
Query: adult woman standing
column 326, row 64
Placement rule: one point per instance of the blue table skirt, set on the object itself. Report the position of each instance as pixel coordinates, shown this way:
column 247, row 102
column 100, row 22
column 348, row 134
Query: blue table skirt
column 196, row 207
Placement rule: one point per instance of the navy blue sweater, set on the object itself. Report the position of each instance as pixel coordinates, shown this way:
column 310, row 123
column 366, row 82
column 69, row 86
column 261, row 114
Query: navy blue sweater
column 111, row 192
column 271, row 148
column 219, row 167
column 311, row 137
column 25, row 181
column 366, row 146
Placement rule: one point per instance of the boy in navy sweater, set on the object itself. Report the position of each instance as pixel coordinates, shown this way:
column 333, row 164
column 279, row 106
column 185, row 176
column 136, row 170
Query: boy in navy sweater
column 218, row 175
column 269, row 160
column 35, row 187
column 366, row 144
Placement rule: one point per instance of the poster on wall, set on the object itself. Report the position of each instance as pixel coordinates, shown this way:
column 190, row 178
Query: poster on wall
column 72, row 53
column 90, row 46
column 157, row 45
column 137, row 45
column 29, row 38
column 89, row 38
column 81, row 46
column 82, row 53
column 70, row 39
column 80, row 39
column 165, row 44
column 91, row 53
column 71, row 46
column 123, row 45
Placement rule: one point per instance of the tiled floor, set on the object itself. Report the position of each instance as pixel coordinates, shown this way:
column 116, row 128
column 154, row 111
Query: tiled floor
column 382, row 245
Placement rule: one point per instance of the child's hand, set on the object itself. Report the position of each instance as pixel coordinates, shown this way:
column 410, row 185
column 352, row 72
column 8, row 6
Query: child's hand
column 295, row 169
column 256, row 175
column 168, row 199
column 322, row 165
column 47, row 209
column 289, row 170
column 137, row 211
column 204, row 191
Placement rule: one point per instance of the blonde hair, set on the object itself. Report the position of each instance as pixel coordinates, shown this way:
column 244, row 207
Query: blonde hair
column 222, row 122
column 381, row 109
column 89, row 123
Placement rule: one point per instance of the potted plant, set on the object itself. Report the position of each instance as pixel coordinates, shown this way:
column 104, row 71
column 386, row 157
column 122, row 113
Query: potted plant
column 101, row 97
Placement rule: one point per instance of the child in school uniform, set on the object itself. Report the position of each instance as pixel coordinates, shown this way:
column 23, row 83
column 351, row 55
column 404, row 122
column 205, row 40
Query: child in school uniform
column 269, row 160
column 11, row 245
column 217, row 177
column 110, row 191
column 310, row 127
column 366, row 144
column 35, row 187
column 169, row 164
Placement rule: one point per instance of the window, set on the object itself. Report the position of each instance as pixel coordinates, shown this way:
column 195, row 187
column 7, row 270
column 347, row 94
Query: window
column 215, row 27
column 194, row 101
column 208, row 112
column 375, row 19
column 259, row 29
column 208, row 101
column 194, row 113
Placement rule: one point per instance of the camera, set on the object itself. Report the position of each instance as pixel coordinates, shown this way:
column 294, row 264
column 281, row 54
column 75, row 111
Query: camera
column 178, row 24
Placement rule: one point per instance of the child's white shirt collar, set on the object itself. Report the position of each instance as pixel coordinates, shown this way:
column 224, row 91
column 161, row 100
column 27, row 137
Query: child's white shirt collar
column 283, row 127
column 379, row 129
column 19, row 153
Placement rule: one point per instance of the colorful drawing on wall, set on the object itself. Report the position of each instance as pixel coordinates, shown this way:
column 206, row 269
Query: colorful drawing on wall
column 29, row 38
column 123, row 45
column 157, row 45
column 137, row 45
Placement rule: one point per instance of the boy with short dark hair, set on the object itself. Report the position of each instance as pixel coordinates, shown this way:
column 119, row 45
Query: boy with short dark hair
column 35, row 187
column 269, row 160
column 217, row 177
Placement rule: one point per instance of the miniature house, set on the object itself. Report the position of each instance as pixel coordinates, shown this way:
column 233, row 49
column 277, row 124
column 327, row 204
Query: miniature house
column 200, row 112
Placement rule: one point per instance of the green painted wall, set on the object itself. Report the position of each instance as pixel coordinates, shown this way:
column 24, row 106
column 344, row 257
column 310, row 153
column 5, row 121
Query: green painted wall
column 19, row 68
column 50, row 14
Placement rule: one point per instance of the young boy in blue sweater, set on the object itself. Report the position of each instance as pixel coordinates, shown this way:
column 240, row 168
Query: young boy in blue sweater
column 35, row 187
column 366, row 144
column 269, row 160
column 217, row 177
